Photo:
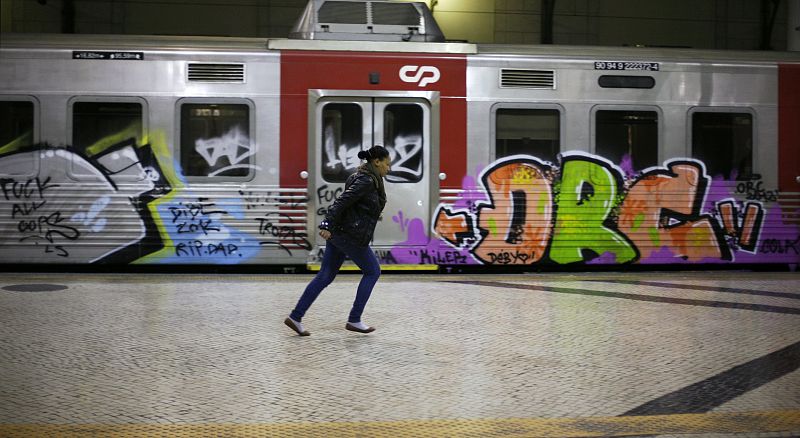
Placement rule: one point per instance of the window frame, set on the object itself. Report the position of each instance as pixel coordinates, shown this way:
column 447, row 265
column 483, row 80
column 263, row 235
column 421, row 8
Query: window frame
column 100, row 99
column 35, row 135
column 623, row 107
column 621, row 77
column 723, row 109
column 366, row 137
column 425, row 132
column 177, row 144
column 562, row 130
column 104, row 99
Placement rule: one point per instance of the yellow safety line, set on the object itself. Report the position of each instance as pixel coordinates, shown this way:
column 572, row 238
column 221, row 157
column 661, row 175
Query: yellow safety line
column 742, row 422
column 398, row 267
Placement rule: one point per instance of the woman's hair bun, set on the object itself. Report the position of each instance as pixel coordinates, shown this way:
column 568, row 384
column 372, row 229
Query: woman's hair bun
column 376, row 152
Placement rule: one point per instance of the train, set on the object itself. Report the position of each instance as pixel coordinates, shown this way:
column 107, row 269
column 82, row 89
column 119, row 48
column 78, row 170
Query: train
column 167, row 150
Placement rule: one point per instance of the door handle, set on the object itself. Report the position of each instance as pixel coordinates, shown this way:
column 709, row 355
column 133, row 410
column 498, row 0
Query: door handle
column 304, row 175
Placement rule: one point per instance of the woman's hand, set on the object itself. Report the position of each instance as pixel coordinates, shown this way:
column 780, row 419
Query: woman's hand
column 325, row 234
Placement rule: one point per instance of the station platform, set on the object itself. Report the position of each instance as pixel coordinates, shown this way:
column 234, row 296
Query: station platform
column 712, row 354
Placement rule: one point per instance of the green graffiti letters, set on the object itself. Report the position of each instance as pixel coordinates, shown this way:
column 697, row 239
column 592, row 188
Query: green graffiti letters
column 588, row 194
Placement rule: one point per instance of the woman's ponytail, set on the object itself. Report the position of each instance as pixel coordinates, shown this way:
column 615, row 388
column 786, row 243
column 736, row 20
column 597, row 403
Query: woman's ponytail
column 364, row 155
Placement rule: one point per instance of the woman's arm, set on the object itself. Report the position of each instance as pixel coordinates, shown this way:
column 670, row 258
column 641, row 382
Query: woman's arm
column 360, row 185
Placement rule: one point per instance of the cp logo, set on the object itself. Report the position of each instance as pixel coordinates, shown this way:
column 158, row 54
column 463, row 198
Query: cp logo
column 427, row 74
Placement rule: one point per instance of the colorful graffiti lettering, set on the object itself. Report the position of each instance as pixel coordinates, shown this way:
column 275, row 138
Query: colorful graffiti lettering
column 662, row 209
column 583, row 229
column 519, row 211
column 587, row 212
column 517, row 218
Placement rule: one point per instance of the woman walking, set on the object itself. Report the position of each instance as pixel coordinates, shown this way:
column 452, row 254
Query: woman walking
column 348, row 228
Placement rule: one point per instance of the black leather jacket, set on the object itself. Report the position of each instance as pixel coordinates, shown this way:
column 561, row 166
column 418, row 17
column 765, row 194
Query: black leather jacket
column 356, row 211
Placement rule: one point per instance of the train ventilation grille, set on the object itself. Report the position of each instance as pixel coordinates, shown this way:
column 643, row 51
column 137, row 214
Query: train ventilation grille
column 216, row 73
column 513, row 78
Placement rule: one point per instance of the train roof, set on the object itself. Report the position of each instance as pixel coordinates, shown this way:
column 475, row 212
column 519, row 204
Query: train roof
column 130, row 42
column 255, row 45
column 637, row 53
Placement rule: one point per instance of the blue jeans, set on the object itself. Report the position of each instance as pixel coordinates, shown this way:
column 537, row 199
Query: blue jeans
column 335, row 251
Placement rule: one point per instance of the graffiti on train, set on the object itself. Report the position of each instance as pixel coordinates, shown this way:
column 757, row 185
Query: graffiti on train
column 284, row 231
column 254, row 200
column 198, row 225
column 58, row 203
column 754, row 190
column 29, row 201
column 226, row 155
column 325, row 196
column 226, row 230
column 402, row 221
column 130, row 203
column 587, row 211
column 780, row 246
column 405, row 151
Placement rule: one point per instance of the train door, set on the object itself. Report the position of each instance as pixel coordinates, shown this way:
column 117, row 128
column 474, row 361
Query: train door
column 346, row 125
column 789, row 133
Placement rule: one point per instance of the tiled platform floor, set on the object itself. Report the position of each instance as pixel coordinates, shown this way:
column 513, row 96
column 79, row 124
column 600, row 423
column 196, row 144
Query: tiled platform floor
column 611, row 354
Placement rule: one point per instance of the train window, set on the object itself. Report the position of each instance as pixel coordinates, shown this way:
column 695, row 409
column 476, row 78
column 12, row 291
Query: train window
column 215, row 140
column 627, row 137
column 618, row 81
column 99, row 125
column 533, row 132
column 16, row 124
column 16, row 131
column 402, row 135
column 724, row 142
column 341, row 140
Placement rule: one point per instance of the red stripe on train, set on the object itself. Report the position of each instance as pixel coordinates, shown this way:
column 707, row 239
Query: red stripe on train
column 307, row 70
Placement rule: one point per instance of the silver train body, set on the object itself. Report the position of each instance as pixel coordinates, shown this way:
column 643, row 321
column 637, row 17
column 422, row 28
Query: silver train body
column 176, row 150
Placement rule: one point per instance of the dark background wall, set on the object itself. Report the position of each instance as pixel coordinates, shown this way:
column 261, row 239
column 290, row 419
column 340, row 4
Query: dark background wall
column 711, row 24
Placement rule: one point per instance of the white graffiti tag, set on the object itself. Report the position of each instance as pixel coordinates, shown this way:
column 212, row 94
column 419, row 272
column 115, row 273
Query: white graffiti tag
column 406, row 157
column 345, row 155
column 233, row 145
column 406, row 153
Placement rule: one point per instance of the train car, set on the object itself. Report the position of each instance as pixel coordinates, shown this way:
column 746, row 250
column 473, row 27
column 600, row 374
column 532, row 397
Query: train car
column 131, row 150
